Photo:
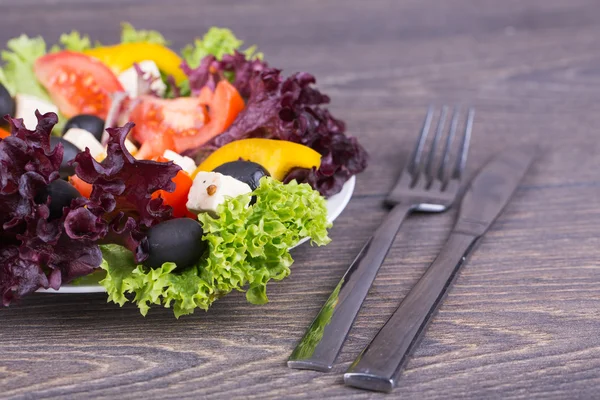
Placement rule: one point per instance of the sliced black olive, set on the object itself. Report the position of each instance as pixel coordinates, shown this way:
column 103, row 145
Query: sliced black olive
column 178, row 241
column 61, row 193
column 7, row 105
column 246, row 171
column 91, row 123
column 70, row 151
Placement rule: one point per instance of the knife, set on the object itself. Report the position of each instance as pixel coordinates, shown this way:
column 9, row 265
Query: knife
column 380, row 364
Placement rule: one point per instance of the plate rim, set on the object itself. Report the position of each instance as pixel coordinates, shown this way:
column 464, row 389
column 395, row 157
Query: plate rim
column 345, row 195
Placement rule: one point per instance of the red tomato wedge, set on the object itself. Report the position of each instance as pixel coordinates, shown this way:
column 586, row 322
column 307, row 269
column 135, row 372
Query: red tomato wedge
column 186, row 122
column 179, row 197
column 4, row 133
column 160, row 123
column 224, row 106
column 154, row 146
column 205, row 96
column 78, row 84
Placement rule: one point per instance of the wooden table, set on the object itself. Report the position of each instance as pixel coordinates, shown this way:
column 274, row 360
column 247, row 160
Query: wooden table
column 522, row 320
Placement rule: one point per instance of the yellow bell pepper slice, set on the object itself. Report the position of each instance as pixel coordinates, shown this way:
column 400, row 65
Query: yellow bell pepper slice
column 122, row 56
column 276, row 156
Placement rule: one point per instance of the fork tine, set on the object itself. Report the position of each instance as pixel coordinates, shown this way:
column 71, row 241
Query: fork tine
column 413, row 166
column 449, row 139
column 438, row 134
column 464, row 147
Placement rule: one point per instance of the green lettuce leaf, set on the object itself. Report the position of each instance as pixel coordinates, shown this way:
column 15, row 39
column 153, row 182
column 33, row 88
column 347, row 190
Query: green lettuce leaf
column 247, row 247
column 92, row 279
column 17, row 72
column 216, row 42
column 118, row 263
column 73, row 41
column 131, row 35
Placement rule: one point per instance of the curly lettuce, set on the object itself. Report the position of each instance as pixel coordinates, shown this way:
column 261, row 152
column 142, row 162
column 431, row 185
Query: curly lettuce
column 36, row 251
column 120, row 208
column 17, row 74
column 131, row 35
column 216, row 42
column 247, row 247
column 73, row 41
column 204, row 56
column 292, row 109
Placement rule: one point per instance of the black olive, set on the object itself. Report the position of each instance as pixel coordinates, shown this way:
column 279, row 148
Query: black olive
column 91, row 123
column 178, row 241
column 61, row 193
column 69, row 153
column 7, row 105
column 246, row 171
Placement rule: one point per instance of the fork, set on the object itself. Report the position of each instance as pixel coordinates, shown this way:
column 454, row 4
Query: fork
column 421, row 187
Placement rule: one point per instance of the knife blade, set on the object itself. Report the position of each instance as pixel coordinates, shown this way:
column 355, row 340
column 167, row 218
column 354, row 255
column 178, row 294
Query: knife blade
column 380, row 364
column 491, row 190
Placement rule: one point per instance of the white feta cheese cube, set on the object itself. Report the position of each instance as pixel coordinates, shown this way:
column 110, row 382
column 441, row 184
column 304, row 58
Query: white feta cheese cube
column 25, row 108
column 186, row 163
column 82, row 139
column 130, row 79
column 210, row 189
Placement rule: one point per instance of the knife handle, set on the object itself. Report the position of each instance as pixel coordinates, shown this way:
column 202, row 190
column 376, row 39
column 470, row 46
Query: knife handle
column 379, row 365
column 325, row 337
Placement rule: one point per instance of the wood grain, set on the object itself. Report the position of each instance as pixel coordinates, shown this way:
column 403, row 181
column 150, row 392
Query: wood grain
column 522, row 320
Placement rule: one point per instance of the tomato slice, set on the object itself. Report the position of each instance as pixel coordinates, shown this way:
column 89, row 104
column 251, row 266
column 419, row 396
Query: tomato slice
column 224, row 107
column 78, row 84
column 154, row 146
column 186, row 122
column 166, row 121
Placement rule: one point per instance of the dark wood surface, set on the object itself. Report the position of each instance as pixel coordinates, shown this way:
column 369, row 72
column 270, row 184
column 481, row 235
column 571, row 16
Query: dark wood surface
column 522, row 320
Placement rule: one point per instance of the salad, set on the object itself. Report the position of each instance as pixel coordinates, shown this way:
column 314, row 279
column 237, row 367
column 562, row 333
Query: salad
column 173, row 178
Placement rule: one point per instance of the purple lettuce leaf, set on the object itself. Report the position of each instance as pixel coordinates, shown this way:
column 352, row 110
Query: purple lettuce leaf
column 291, row 109
column 206, row 74
column 240, row 71
column 234, row 67
column 35, row 252
column 120, row 208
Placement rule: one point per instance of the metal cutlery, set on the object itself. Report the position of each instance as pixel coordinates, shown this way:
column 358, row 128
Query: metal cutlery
column 380, row 364
column 421, row 187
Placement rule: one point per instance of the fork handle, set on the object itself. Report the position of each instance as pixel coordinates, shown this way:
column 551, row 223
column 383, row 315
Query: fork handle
column 325, row 337
column 380, row 364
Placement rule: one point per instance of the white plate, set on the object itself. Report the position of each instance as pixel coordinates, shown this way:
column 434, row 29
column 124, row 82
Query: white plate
column 335, row 206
